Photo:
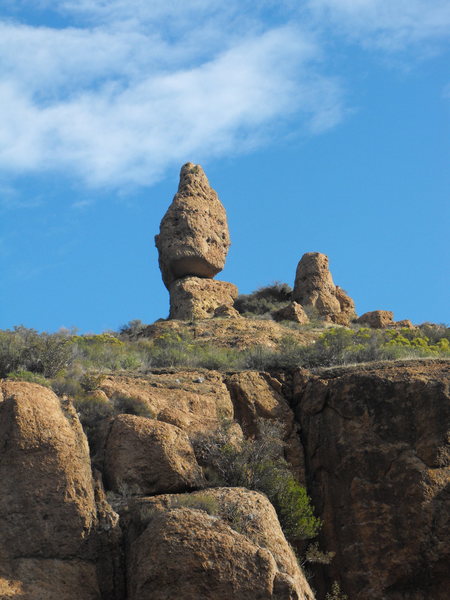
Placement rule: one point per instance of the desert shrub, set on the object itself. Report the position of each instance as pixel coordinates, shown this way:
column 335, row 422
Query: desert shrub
column 314, row 554
column 264, row 300
column 91, row 411
column 202, row 501
column 130, row 405
column 132, row 328
column 22, row 375
column 336, row 593
column 91, row 381
column 258, row 464
column 25, row 349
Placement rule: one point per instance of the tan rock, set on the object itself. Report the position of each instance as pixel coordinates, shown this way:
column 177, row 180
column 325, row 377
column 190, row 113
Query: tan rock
column 377, row 457
column 377, row 319
column 292, row 312
column 50, row 579
column 45, row 474
column 404, row 324
column 149, row 457
column 314, row 287
column 227, row 312
column 238, row 554
column 196, row 298
column 258, row 396
column 232, row 333
column 193, row 238
column 194, row 401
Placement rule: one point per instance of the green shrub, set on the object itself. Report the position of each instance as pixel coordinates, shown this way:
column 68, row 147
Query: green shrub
column 258, row 464
column 22, row 375
column 336, row 593
column 201, row 501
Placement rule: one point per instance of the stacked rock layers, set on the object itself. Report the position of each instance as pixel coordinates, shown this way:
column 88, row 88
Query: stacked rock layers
column 193, row 243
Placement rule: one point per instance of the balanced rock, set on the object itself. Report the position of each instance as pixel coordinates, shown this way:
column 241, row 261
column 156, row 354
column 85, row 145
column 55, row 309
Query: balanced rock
column 193, row 238
column 196, row 298
column 377, row 319
column 149, row 457
column 314, row 287
column 292, row 312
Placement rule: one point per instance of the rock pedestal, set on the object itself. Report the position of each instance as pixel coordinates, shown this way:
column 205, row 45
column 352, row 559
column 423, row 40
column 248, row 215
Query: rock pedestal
column 193, row 243
column 196, row 298
column 314, row 287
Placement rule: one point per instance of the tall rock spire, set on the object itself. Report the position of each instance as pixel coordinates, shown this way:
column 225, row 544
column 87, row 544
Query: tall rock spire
column 194, row 237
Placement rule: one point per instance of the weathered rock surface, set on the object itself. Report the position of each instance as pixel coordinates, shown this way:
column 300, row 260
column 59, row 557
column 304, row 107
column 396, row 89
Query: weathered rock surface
column 258, row 396
column 149, row 457
column 292, row 312
column 194, row 401
column 50, row 579
column 378, row 319
column 194, row 298
column 314, row 287
column 377, row 460
column 232, row 333
column 45, row 474
column 48, row 514
column 187, row 553
column 227, row 312
column 193, row 238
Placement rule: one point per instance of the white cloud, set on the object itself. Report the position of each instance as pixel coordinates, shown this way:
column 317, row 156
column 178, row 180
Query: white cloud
column 118, row 102
column 392, row 25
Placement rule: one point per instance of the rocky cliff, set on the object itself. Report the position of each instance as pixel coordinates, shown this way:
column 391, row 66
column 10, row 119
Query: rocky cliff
column 369, row 441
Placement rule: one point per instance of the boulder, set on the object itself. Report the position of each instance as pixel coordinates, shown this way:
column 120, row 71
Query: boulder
column 234, row 550
column 196, row 298
column 45, row 474
column 377, row 319
column 48, row 516
column 314, row 287
column 193, row 238
column 149, row 457
column 227, row 312
column 292, row 312
column 194, row 401
column 377, row 459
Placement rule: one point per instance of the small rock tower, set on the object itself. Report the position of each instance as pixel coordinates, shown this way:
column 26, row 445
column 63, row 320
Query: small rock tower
column 193, row 243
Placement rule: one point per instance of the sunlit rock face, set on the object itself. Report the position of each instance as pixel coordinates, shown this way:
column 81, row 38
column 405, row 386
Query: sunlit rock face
column 194, row 238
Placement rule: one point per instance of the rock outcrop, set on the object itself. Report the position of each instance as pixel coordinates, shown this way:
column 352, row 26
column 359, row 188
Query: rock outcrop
column 149, row 457
column 193, row 238
column 237, row 552
column 50, row 529
column 292, row 312
column 377, row 461
column 194, row 298
column 314, row 287
column 377, row 319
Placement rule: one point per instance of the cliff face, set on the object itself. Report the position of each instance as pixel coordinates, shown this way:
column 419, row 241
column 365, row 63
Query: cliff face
column 370, row 442
column 377, row 459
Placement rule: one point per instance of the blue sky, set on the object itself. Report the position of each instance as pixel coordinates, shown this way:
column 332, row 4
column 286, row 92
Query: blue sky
column 322, row 124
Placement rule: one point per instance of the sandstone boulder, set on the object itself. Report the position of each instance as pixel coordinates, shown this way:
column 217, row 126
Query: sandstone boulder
column 194, row 401
column 149, row 457
column 292, row 312
column 377, row 319
column 377, row 459
column 314, row 287
column 194, row 298
column 45, row 474
column 193, row 238
column 227, row 312
column 237, row 552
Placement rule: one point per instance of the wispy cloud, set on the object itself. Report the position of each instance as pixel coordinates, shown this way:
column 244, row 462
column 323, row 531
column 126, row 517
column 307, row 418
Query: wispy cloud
column 127, row 88
column 392, row 25
column 123, row 96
